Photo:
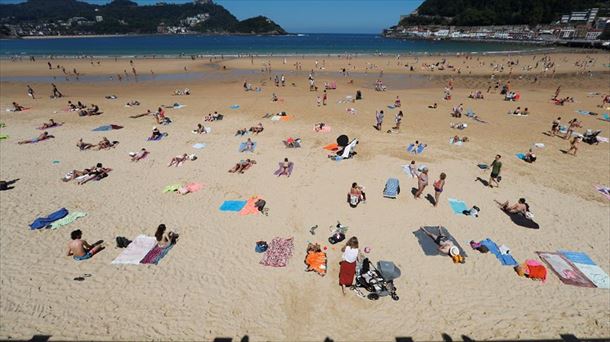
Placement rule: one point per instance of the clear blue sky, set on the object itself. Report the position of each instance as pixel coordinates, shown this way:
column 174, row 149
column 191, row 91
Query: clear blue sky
column 313, row 16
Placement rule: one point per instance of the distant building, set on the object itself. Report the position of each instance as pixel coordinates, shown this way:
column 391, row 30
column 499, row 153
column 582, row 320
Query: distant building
column 162, row 28
column 99, row 18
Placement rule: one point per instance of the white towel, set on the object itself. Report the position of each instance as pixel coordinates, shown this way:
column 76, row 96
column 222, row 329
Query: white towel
column 504, row 249
column 136, row 250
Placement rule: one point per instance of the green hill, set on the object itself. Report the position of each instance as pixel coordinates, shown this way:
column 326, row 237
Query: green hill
column 124, row 16
column 496, row 12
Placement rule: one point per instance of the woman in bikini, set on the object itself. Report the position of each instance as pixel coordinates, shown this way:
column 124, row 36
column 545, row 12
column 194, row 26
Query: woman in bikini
column 438, row 187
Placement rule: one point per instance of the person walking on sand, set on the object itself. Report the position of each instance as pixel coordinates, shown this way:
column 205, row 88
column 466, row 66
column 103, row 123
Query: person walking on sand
column 379, row 119
column 31, row 92
column 324, row 98
column 56, row 92
column 422, row 182
column 397, row 120
column 438, row 187
column 555, row 127
column 347, row 266
column 496, row 167
column 574, row 145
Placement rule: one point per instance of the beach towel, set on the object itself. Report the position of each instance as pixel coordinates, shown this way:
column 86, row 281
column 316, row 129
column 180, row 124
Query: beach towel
column 278, row 253
column 536, row 270
column 522, row 221
column 606, row 116
column 250, row 207
column 588, row 268
column 429, row 247
column 156, row 254
column 417, row 150
column 170, row 188
column 159, row 137
column 232, row 205
column 242, row 146
column 136, row 250
column 3, row 136
column 584, row 112
column 71, row 217
column 43, row 222
column 106, row 128
column 347, row 271
column 325, row 129
column 457, row 143
column 316, row 261
column 458, row 206
column 602, row 139
column 190, row 187
column 331, row 147
column 505, row 259
column 199, row 146
column 235, row 106
column 564, row 269
column 392, row 188
column 520, row 156
column 604, row 190
column 289, row 170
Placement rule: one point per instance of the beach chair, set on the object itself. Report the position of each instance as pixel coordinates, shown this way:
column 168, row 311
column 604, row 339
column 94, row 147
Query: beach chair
column 392, row 188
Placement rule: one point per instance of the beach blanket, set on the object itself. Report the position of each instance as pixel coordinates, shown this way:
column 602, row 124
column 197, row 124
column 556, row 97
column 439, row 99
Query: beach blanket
column 191, row 187
column 159, row 137
column 458, row 206
column 171, row 187
column 427, row 244
column 199, row 146
column 106, row 128
column 522, row 221
column 505, row 259
column 392, row 188
column 250, row 208
column 3, row 136
column 281, row 118
column 71, row 217
column 242, row 146
column 604, row 190
column 331, row 147
column 156, row 254
column 606, row 117
column 520, row 156
column 585, row 112
column 289, row 171
column 457, row 143
column 136, row 250
column 235, row 106
column 232, row 205
column 588, row 268
column 564, row 269
column 325, row 129
column 43, row 222
column 278, row 253
column 417, row 150
column 316, row 261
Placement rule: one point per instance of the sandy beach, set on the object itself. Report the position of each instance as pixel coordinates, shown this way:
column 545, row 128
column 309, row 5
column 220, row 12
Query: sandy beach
column 211, row 283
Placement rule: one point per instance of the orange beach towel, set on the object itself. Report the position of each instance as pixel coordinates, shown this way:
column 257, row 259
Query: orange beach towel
column 316, row 261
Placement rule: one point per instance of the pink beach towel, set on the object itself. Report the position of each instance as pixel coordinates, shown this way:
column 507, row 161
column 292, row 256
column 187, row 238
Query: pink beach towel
column 280, row 250
column 325, row 129
column 250, row 208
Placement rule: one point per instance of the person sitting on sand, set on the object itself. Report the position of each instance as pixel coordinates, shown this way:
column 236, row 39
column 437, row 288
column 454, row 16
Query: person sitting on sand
column 178, row 160
column 274, row 97
column 43, row 136
column 319, row 126
column 71, row 106
column 257, row 129
column 242, row 166
column 397, row 103
column 17, row 107
column 79, row 249
column 165, row 238
column 517, row 111
column 530, row 156
column 94, row 110
column 159, row 115
column 356, row 195
column 284, row 168
column 80, row 105
column 200, row 129
column 445, row 245
column 140, row 155
column 457, row 111
column 49, row 124
column 155, row 135
column 521, row 207
column 249, row 146
column 457, row 139
column 83, row 145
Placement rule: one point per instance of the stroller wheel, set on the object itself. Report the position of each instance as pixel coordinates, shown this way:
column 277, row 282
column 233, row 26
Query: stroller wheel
column 395, row 296
column 373, row 296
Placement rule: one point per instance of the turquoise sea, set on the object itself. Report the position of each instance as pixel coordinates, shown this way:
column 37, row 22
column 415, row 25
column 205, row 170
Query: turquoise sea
column 172, row 45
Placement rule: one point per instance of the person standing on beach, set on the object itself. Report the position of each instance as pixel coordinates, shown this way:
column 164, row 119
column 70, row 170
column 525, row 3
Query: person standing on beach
column 496, row 167
column 574, row 145
column 31, row 92
column 555, row 127
column 379, row 119
column 438, row 187
column 56, row 92
column 347, row 266
column 422, row 182
column 398, row 120
column 324, row 98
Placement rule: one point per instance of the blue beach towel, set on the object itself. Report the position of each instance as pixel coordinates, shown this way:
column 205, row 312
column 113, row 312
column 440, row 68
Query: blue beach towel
column 606, row 116
column 235, row 106
column 420, row 148
column 199, row 146
column 392, row 188
column 505, row 259
column 42, row 222
column 163, row 135
column 458, row 206
column 232, row 205
column 242, row 146
column 587, row 267
column 583, row 112
column 520, row 156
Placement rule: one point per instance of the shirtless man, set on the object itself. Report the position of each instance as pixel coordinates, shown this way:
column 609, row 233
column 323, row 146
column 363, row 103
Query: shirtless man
column 44, row 136
column 104, row 144
column 445, row 245
column 83, row 145
column 17, row 107
column 49, row 124
column 521, row 207
column 81, row 250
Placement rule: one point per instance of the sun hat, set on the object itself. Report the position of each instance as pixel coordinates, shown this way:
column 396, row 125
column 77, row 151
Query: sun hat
column 453, row 251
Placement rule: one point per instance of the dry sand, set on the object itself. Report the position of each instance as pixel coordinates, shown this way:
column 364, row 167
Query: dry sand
column 212, row 285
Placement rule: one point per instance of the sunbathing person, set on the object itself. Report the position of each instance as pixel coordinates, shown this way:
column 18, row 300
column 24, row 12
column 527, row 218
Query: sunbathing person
column 79, row 249
column 257, row 129
column 43, row 136
column 17, row 107
column 433, row 106
column 530, row 156
column 241, row 132
column 292, row 143
column 49, row 124
column 94, row 110
column 75, row 174
column 356, row 195
column 249, row 146
column 148, row 112
column 319, row 126
column 133, row 103
column 155, row 135
column 445, row 245
column 178, row 160
column 105, row 144
column 457, row 139
column 71, row 106
column 459, row 125
column 242, row 166
column 165, row 238
column 200, row 129
column 285, row 168
column 521, row 207
column 96, row 173
column 140, row 155
column 83, row 145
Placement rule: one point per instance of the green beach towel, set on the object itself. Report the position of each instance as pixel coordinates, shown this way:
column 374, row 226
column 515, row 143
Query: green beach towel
column 3, row 136
column 71, row 217
column 173, row 187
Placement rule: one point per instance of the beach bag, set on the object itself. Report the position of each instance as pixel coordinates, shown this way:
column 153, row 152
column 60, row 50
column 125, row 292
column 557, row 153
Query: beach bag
column 353, row 200
column 3, row 185
column 261, row 247
column 260, row 204
column 336, row 238
column 122, row 242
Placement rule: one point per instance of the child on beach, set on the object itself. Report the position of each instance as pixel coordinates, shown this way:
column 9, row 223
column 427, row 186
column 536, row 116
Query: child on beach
column 397, row 120
column 438, row 187
column 79, row 249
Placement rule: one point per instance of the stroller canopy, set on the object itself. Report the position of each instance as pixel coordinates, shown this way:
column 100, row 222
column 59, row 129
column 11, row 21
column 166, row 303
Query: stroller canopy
column 388, row 270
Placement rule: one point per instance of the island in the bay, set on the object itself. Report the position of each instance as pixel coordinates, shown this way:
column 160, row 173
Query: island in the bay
column 40, row 18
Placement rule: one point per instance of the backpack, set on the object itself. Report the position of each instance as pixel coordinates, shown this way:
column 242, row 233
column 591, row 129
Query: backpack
column 122, row 242
column 336, row 238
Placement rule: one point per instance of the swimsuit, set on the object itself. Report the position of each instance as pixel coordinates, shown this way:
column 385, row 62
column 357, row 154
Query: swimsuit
column 84, row 257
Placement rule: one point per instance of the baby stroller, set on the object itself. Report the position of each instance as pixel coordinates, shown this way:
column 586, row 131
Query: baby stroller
column 392, row 188
column 590, row 137
column 378, row 281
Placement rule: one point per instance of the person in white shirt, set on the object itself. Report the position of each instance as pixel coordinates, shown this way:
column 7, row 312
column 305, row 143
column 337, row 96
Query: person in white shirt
column 347, row 269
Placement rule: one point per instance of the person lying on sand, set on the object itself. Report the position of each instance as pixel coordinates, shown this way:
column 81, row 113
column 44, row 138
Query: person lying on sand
column 249, row 146
column 284, row 168
column 257, row 129
column 148, row 112
column 75, row 174
column 178, row 160
column 96, row 173
column 49, row 124
column 319, row 126
column 105, row 144
column 445, row 245
column 521, row 207
column 17, row 107
column 433, row 106
column 241, row 132
column 79, row 249
column 43, row 136
column 138, row 156
column 457, row 139
column 133, row 103
column 242, row 166
column 459, row 125
column 83, row 145
column 292, row 142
